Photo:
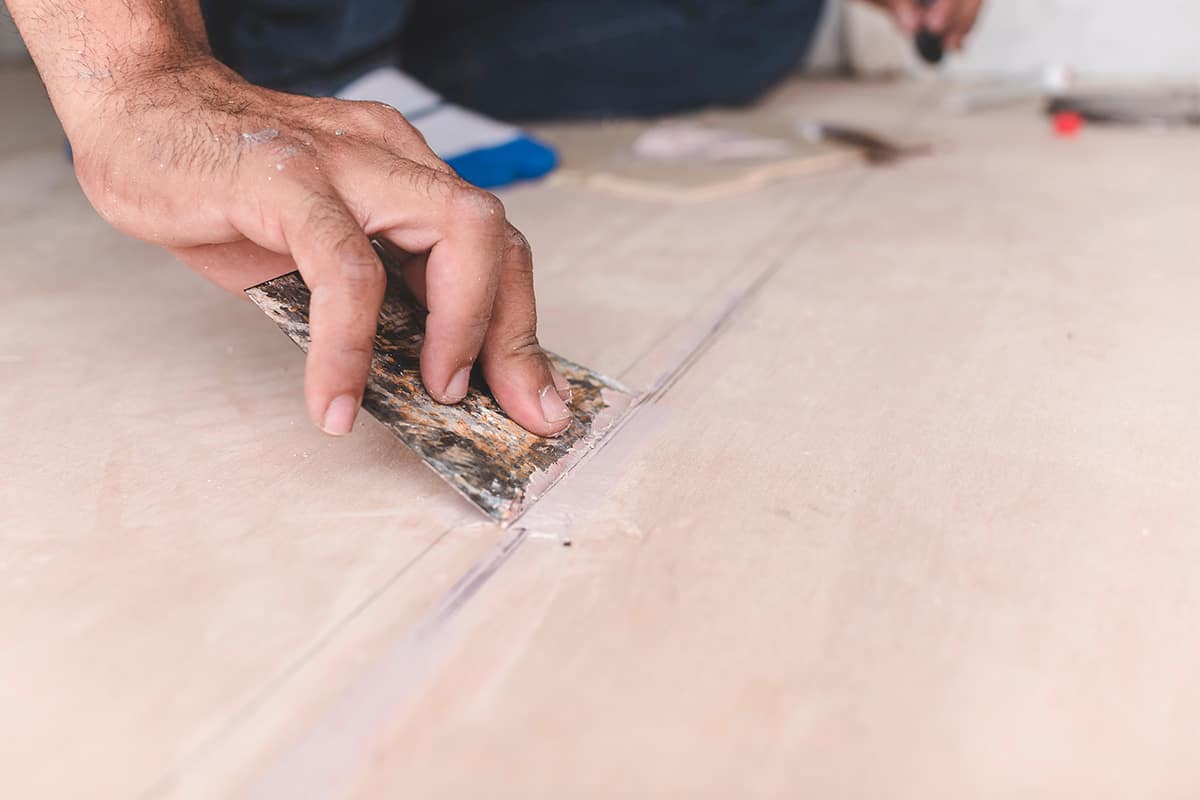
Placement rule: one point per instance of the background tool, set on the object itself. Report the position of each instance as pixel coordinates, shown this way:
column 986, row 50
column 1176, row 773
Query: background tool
column 929, row 44
column 1132, row 105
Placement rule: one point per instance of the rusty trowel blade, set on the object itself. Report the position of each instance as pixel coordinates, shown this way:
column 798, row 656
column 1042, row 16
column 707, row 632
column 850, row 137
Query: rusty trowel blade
column 488, row 458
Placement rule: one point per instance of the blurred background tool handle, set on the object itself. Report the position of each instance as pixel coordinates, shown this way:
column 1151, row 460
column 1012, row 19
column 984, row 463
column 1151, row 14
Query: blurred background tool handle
column 929, row 44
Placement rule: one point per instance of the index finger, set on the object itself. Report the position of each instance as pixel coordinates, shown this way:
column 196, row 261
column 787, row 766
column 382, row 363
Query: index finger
column 347, row 283
column 962, row 22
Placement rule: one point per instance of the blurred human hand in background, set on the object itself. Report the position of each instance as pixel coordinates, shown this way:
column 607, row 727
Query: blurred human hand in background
column 952, row 19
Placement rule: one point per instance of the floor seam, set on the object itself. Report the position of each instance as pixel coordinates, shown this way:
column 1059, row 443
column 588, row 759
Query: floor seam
column 274, row 780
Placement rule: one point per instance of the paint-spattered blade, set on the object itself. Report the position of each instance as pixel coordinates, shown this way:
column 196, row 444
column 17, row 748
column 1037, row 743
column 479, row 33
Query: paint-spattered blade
column 492, row 461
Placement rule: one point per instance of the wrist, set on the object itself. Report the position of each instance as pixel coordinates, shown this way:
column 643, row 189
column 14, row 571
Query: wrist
column 89, row 52
column 160, row 121
column 124, row 88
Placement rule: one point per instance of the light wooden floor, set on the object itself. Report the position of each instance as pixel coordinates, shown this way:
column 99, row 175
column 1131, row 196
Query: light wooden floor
column 921, row 520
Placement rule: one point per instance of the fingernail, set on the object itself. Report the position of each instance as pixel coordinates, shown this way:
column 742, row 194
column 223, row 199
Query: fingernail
column 456, row 390
column 561, row 385
column 339, row 417
column 553, row 408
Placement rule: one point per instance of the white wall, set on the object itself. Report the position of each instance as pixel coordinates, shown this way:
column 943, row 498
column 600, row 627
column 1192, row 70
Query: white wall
column 1109, row 38
column 1098, row 38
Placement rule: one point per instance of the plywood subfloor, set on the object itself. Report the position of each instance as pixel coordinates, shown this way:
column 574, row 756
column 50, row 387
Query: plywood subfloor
column 918, row 520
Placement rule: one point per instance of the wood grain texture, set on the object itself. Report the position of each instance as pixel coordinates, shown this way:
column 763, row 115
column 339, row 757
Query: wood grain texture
column 919, row 522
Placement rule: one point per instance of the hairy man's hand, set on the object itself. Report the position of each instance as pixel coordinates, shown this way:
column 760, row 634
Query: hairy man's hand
column 241, row 182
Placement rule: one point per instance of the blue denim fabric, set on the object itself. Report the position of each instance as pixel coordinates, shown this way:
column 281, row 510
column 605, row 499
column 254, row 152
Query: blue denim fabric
column 526, row 58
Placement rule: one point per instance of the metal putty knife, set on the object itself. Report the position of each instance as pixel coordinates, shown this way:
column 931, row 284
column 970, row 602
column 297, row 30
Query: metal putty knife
column 493, row 462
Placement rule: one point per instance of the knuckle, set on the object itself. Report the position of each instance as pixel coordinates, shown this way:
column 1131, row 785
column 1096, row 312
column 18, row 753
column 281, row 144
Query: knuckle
column 518, row 334
column 525, row 345
column 517, row 344
column 438, row 165
column 324, row 106
column 380, row 116
column 359, row 271
column 439, row 186
column 517, row 241
column 355, row 349
column 402, row 135
column 476, row 206
column 326, row 217
column 403, row 167
column 520, row 252
column 476, row 324
column 358, row 268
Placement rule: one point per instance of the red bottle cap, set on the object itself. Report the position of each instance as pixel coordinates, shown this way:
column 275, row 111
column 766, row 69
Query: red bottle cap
column 1067, row 123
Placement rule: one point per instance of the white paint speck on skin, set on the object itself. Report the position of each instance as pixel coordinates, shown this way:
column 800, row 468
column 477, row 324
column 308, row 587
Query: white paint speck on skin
column 265, row 135
column 339, row 132
column 84, row 71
